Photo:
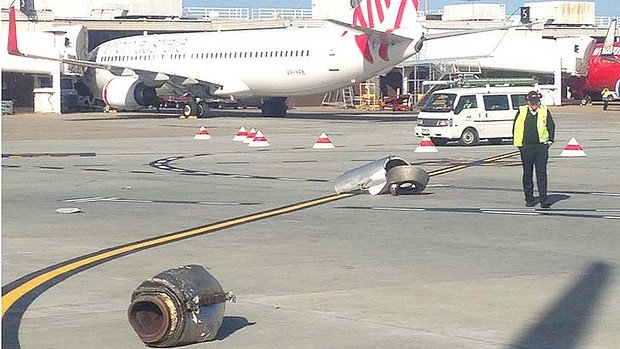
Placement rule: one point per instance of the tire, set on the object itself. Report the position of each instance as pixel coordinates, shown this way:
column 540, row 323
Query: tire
column 586, row 99
column 202, row 109
column 274, row 107
column 469, row 137
column 189, row 109
column 406, row 179
column 439, row 141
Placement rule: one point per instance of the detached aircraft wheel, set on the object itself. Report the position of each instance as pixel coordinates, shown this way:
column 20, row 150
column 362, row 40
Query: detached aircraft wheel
column 406, row 179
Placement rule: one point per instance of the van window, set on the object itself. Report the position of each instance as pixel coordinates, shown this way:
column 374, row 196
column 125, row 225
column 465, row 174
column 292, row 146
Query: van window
column 517, row 101
column 466, row 102
column 497, row 102
column 439, row 102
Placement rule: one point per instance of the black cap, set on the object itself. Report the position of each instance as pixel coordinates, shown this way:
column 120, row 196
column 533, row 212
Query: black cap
column 533, row 97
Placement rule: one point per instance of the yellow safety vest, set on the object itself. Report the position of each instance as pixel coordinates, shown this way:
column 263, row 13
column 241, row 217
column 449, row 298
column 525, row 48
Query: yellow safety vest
column 541, row 123
column 606, row 93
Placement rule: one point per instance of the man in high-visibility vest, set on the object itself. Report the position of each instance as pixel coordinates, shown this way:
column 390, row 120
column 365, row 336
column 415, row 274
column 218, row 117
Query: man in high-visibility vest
column 607, row 96
column 533, row 133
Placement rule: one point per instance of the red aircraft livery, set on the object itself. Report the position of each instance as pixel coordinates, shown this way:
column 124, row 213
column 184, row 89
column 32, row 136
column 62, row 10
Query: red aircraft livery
column 367, row 20
column 603, row 72
column 603, row 69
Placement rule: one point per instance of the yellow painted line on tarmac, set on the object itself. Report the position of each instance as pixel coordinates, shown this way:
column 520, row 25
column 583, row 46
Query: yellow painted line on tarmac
column 14, row 295
column 20, row 291
column 478, row 162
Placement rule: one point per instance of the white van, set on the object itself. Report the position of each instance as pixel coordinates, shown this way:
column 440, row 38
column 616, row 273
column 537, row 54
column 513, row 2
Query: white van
column 470, row 114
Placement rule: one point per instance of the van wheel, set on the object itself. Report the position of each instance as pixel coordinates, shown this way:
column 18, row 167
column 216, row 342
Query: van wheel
column 469, row 137
column 439, row 141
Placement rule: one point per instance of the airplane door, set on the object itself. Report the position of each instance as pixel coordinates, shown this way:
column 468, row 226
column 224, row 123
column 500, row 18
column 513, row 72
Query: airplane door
column 332, row 61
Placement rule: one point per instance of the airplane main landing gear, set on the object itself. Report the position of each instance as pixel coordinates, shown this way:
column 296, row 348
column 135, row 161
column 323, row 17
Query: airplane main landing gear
column 274, row 106
column 196, row 108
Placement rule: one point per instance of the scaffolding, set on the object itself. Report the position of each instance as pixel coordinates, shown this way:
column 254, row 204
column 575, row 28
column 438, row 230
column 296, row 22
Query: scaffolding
column 429, row 77
column 341, row 98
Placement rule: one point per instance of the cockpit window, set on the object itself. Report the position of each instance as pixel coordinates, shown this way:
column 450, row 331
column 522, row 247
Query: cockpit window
column 439, row 102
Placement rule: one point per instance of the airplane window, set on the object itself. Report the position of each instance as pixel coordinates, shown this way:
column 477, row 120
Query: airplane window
column 308, row 53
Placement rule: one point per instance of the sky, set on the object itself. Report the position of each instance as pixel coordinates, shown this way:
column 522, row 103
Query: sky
column 602, row 7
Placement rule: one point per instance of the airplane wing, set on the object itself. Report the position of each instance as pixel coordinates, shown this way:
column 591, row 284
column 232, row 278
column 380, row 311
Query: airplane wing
column 411, row 63
column 450, row 34
column 369, row 31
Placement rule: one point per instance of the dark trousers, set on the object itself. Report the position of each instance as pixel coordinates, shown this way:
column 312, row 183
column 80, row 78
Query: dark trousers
column 535, row 156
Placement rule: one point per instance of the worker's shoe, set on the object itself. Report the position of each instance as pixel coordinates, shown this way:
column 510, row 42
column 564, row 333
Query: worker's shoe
column 545, row 204
column 530, row 204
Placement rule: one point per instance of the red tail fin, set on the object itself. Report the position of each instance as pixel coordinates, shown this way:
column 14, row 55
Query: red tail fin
column 12, row 41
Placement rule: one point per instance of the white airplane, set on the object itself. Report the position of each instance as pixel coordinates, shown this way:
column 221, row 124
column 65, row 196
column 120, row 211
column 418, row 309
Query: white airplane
column 127, row 73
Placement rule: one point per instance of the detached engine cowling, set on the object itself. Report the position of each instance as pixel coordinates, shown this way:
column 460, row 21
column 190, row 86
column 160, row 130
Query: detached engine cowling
column 127, row 92
column 391, row 174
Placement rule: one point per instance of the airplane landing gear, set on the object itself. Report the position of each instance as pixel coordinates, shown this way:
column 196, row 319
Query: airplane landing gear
column 196, row 108
column 274, row 106
column 586, row 99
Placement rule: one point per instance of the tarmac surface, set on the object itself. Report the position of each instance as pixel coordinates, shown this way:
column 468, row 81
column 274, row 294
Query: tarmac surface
column 463, row 265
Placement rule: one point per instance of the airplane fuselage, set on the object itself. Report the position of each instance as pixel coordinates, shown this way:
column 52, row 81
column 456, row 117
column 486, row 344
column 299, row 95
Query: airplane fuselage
column 270, row 62
column 602, row 72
